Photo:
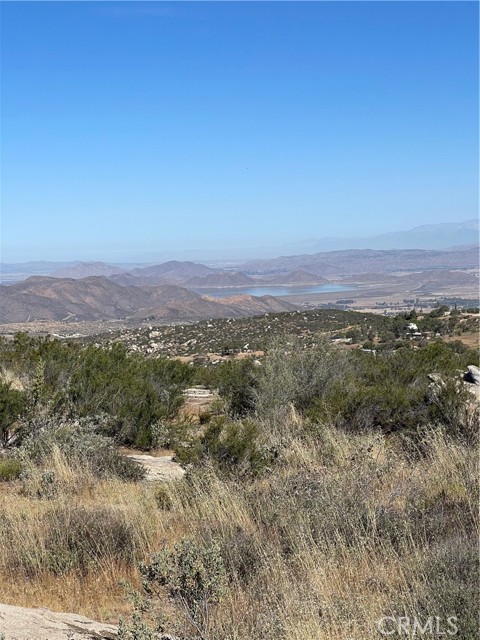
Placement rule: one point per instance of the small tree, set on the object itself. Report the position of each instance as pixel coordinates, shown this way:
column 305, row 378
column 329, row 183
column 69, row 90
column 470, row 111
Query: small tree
column 12, row 406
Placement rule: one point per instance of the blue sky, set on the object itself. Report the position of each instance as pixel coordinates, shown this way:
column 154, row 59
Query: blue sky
column 131, row 129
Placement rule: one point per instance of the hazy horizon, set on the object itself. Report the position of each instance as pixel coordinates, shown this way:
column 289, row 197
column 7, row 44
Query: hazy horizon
column 308, row 246
column 164, row 129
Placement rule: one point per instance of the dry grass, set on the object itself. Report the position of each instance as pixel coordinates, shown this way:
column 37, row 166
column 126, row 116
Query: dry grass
column 471, row 339
column 42, row 561
column 98, row 595
column 328, row 565
column 344, row 530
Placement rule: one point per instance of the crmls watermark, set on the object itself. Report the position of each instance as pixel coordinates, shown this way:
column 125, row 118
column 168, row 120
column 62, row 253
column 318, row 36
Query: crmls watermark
column 412, row 627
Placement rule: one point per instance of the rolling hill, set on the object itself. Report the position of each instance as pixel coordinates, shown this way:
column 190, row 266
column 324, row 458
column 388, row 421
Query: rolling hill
column 174, row 271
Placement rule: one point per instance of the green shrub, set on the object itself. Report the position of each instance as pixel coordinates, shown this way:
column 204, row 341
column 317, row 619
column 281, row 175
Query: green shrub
column 194, row 579
column 76, row 380
column 10, row 468
column 13, row 405
column 205, row 417
column 452, row 407
column 292, row 375
column 163, row 497
column 235, row 447
column 236, row 381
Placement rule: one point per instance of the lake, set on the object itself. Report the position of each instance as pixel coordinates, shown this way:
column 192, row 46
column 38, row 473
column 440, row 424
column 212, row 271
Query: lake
column 280, row 290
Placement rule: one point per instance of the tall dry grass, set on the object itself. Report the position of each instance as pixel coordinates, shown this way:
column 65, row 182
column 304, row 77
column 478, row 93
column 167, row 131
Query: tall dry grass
column 68, row 539
column 345, row 529
column 345, row 532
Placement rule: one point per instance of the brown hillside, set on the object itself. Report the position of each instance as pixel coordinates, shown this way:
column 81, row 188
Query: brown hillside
column 97, row 298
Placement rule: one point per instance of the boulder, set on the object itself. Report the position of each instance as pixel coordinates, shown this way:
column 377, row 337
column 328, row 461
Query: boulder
column 159, row 468
column 20, row 623
column 436, row 379
column 472, row 375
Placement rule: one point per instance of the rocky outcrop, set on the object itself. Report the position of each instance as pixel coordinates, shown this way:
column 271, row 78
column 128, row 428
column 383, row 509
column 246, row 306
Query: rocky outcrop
column 159, row 468
column 472, row 375
column 20, row 623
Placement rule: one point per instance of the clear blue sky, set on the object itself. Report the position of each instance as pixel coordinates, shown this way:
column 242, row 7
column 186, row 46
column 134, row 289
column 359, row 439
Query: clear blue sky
column 132, row 128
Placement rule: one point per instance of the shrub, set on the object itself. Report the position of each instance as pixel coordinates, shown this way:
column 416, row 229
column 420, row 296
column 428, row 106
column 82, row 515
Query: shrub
column 294, row 376
column 134, row 391
column 194, row 579
column 453, row 408
column 81, row 444
column 40, row 483
column 10, row 468
column 235, row 446
column 171, row 435
column 13, row 404
column 236, row 384
column 79, row 381
column 163, row 497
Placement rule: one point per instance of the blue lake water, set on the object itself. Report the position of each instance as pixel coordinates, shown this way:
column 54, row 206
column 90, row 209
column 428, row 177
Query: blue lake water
column 281, row 290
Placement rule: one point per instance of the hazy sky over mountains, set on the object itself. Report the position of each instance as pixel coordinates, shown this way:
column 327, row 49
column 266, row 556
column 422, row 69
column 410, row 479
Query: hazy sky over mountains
column 131, row 128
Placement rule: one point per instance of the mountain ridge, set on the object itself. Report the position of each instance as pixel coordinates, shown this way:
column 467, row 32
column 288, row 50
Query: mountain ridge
column 353, row 261
column 98, row 298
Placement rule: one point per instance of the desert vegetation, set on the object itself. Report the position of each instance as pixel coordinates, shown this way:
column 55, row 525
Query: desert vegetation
column 325, row 489
column 230, row 336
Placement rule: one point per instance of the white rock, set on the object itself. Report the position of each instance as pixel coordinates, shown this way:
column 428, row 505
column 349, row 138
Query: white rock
column 472, row 375
column 20, row 623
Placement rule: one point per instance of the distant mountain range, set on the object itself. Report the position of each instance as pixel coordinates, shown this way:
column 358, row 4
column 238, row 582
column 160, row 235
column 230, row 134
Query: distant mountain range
column 442, row 236
column 98, row 298
column 298, row 276
column 430, row 236
column 86, row 269
column 306, row 268
column 164, row 291
column 188, row 274
column 172, row 290
column 174, row 271
column 335, row 264
column 221, row 279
